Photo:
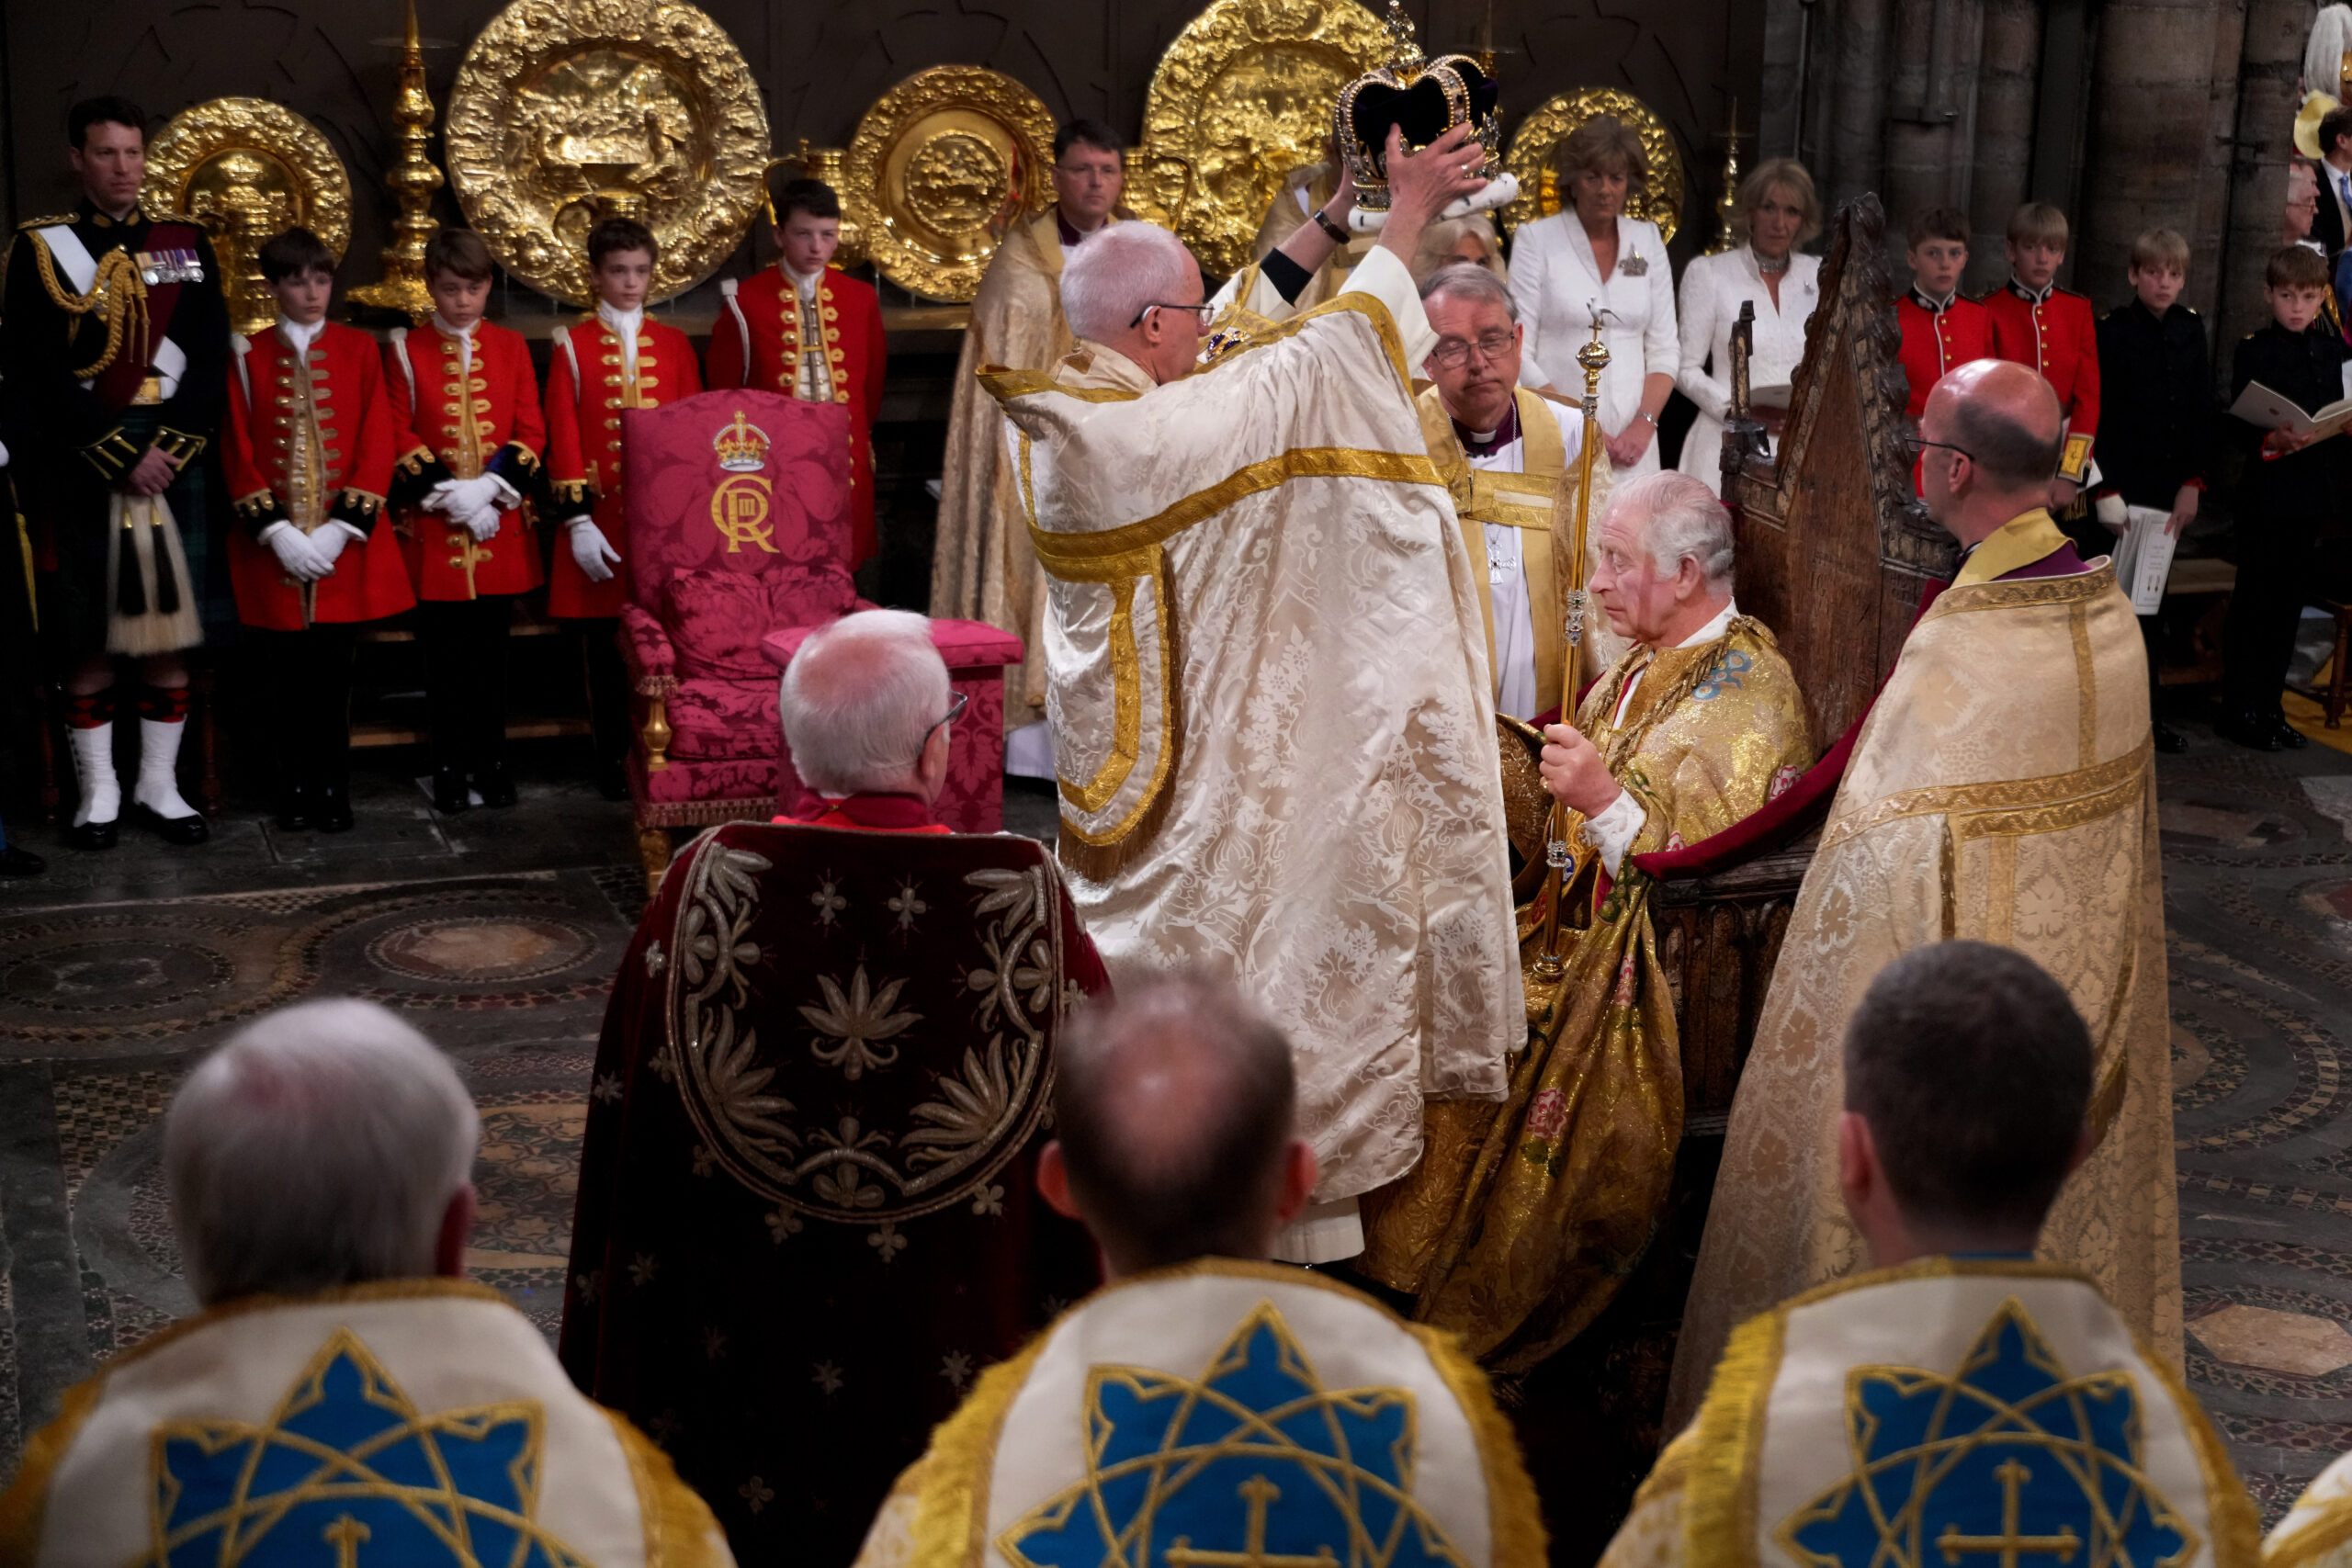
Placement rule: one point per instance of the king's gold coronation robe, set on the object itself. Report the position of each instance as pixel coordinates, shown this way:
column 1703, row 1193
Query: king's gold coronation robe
column 1271, row 710
column 981, row 567
column 1950, row 1413
column 2002, row 789
column 1523, row 1219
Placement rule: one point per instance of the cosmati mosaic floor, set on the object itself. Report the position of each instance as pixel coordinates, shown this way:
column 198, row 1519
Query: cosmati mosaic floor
column 499, row 940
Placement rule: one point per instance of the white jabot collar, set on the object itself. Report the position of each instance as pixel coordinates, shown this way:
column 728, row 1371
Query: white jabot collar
column 623, row 325
column 1715, row 628
column 298, row 336
column 806, row 282
column 441, row 324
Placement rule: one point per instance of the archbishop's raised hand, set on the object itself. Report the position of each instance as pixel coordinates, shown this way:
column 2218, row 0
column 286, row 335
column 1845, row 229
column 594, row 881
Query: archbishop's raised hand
column 1574, row 771
column 1421, row 185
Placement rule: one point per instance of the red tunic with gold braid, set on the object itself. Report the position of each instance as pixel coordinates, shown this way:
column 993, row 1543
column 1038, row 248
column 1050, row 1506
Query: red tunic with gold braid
column 765, row 339
column 1938, row 337
column 584, row 443
column 453, row 425
column 2055, row 331
column 311, row 442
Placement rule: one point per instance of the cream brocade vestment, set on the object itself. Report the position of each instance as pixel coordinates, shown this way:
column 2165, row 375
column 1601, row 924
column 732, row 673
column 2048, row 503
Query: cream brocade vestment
column 2317, row 1532
column 2002, row 789
column 1951, row 1412
column 1272, row 713
column 1219, row 1412
column 982, row 567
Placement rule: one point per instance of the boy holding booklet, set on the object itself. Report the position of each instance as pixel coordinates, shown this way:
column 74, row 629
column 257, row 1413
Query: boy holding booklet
column 2159, row 416
column 2294, row 482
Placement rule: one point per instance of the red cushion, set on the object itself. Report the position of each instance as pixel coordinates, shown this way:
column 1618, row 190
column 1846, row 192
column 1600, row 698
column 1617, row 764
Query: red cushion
column 716, row 618
column 962, row 644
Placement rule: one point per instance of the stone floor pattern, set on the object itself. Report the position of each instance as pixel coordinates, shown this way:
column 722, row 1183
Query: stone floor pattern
column 497, row 933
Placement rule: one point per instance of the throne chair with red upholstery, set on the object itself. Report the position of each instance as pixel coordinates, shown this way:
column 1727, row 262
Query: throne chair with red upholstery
column 738, row 542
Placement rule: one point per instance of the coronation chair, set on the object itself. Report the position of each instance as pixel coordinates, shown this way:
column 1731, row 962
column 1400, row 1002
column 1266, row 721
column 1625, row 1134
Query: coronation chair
column 739, row 506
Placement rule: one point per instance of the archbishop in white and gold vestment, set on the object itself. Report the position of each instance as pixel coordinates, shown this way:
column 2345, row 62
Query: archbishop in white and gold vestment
column 379, row 1423
column 981, row 567
column 1951, row 1412
column 1274, row 723
column 2317, row 1532
column 1220, row 1412
column 2002, row 789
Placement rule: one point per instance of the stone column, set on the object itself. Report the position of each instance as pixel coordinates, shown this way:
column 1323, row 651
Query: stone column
column 1931, row 116
column 2150, row 135
column 2008, row 80
column 2269, row 66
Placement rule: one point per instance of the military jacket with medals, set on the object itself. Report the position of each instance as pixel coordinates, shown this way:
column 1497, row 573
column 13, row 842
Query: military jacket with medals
column 114, row 339
column 89, row 337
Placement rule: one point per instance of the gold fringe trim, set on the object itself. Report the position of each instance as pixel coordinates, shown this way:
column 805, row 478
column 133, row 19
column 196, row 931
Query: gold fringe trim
column 680, row 1530
column 950, row 1483
column 2235, row 1527
column 1719, row 1500
column 1515, row 1517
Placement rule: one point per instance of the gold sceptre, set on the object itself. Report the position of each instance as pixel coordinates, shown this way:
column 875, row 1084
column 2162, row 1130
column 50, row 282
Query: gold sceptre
column 413, row 180
column 1562, row 859
column 1727, row 204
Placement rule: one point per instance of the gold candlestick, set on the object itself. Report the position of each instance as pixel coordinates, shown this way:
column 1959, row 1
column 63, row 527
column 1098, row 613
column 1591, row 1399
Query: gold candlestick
column 1727, row 204
column 412, row 179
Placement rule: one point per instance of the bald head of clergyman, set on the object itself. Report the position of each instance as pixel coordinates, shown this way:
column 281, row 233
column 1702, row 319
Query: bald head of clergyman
column 1174, row 1113
column 1992, row 430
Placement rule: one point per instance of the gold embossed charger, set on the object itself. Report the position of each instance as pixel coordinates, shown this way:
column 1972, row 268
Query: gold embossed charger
column 1242, row 97
column 248, row 169
column 566, row 111
column 941, row 166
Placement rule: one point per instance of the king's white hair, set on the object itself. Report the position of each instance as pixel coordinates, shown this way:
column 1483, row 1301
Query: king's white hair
column 860, row 696
column 1110, row 279
column 320, row 1146
column 1682, row 520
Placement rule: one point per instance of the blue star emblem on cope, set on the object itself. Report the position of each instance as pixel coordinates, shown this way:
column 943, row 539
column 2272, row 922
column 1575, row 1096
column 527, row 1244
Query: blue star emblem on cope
column 2007, row 1463
column 1252, row 1465
column 347, row 1474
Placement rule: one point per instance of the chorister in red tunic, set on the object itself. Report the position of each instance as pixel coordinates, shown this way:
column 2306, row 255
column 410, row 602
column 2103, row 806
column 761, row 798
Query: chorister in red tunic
column 2053, row 329
column 310, row 438
column 456, row 422
column 585, row 442
column 760, row 338
column 1938, row 337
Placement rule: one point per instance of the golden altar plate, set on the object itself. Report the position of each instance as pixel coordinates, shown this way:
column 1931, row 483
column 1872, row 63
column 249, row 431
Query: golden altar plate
column 249, row 169
column 941, row 167
column 568, row 111
column 1540, row 134
column 1242, row 97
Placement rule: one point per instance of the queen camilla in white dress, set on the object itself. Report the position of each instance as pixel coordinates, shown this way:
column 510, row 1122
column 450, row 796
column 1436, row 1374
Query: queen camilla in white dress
column 1776, row 210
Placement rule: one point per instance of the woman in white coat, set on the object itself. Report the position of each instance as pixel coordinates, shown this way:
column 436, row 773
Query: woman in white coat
column 1776, row 212
column 1589, row 253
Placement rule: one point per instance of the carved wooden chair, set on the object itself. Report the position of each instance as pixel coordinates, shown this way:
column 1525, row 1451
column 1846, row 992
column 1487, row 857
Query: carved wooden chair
column 739, row 505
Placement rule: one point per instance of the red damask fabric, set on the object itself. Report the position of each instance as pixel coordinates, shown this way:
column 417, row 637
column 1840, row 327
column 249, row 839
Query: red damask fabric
column 807, row 1215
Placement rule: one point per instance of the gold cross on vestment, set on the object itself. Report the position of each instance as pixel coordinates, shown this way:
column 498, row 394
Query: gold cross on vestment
column 1259, row 1494
column 344, row 1535
column 2012, row 1476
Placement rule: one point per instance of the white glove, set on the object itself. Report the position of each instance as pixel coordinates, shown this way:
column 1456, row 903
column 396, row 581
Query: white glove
column 460, row 498
column 329, row 541
column 590, row 551
column 295, row 552
column 482, row 524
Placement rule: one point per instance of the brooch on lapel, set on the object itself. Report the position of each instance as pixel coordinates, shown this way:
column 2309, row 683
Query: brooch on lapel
column 1635, row 265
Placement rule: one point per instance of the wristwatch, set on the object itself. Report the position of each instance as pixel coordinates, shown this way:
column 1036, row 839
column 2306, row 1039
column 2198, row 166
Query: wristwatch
column 1323, row 222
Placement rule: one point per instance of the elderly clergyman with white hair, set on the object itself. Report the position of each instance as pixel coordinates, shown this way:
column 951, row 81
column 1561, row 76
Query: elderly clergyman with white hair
column 1523, row 1218
column 345, row 1396
column 1273, row 715
column 866, row 707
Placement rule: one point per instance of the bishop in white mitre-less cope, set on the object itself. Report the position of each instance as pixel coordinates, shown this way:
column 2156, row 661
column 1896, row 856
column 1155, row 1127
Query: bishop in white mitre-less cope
column 1274, row 720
